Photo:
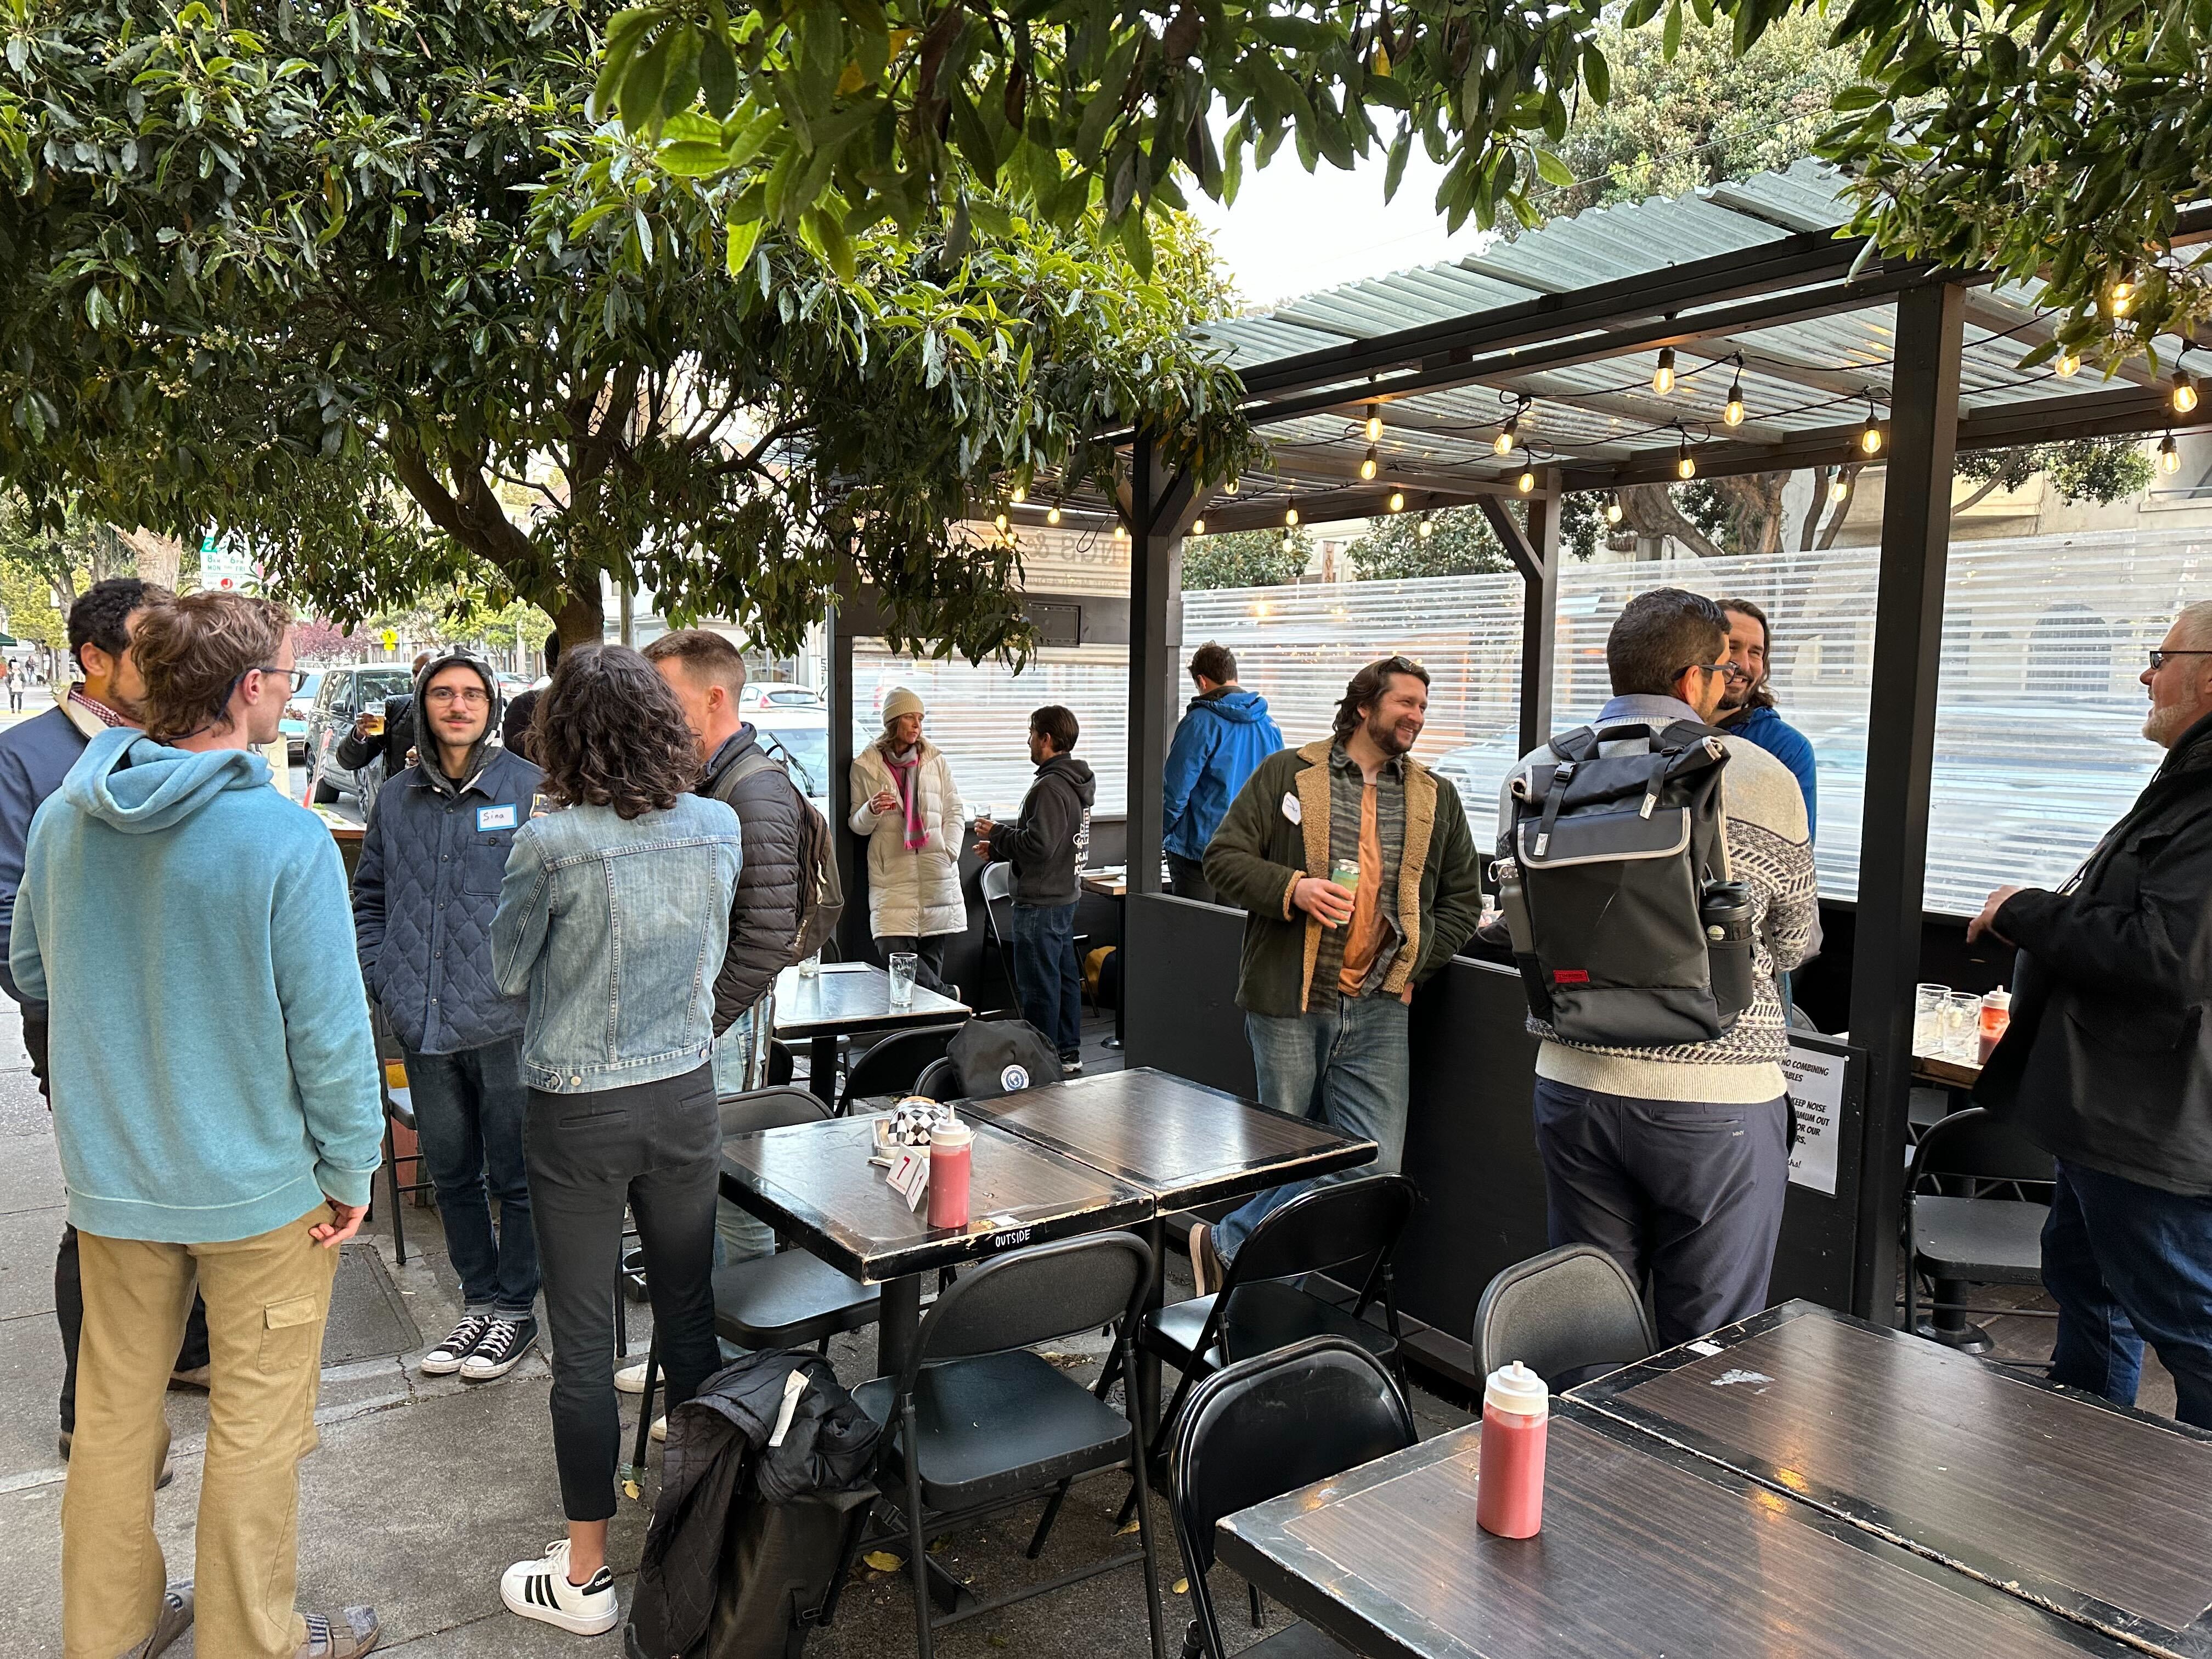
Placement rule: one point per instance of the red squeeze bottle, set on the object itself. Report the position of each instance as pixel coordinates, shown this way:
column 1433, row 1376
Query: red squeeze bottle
column 1509, row 1482
column 951, row 1153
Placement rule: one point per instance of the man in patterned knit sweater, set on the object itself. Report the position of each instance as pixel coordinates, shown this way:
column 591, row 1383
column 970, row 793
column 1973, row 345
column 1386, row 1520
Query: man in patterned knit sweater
column 1675, row 1161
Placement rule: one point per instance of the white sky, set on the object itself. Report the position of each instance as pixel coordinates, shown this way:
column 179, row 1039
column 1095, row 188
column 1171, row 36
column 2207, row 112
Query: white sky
column 1291, row 231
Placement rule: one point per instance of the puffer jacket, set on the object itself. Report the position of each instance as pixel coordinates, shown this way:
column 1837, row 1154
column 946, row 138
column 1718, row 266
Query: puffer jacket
column 911, row 894
column 428, row 884
column 765, row 921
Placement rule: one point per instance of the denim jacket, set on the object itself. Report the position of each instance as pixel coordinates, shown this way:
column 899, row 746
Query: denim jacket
column 616, row 929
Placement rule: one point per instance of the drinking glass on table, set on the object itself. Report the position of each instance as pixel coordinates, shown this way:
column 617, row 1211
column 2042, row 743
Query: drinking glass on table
column 1962, row 1023
column 902, row 967
column 1927, row 1004
column 809, row 966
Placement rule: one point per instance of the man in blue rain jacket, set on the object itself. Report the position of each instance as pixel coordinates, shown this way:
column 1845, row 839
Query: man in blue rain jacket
column 1224, row 734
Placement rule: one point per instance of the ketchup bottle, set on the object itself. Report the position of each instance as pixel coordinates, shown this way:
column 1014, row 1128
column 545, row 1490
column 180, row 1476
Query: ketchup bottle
column 1508, row 1483
column 951, row 1153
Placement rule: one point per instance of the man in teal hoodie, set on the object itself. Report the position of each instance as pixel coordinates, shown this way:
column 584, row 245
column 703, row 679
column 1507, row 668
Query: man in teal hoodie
column 215, row 1096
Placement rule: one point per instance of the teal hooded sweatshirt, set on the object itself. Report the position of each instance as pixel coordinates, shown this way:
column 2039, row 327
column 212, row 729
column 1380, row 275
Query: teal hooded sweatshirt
column 211, row 1065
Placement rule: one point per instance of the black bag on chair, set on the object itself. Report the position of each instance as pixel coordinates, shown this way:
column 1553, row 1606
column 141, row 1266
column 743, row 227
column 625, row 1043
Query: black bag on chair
column 1001, row 1057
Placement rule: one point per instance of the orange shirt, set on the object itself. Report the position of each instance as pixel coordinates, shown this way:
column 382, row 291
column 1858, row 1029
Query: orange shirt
column 1367, row 932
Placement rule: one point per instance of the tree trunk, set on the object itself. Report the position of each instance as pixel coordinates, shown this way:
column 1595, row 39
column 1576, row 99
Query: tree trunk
column 581, row 620
column 1650, row 510
column 1850, row 475
column 1989, row 485
column 160, row 558
column 1755, row 500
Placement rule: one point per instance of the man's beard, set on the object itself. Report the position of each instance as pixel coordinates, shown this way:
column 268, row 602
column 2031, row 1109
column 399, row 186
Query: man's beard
column 1736, row 699
column 1383, row 734
column 2164, row 727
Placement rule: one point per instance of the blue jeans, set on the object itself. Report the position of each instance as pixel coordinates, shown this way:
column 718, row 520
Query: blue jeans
column 738, row 1236
column 1348, row 1066
column 2127, row 1264
column 1046, row 978
column 468, row 1109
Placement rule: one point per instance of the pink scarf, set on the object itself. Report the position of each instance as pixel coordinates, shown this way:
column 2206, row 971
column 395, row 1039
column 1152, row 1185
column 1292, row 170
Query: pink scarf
column 905, row 768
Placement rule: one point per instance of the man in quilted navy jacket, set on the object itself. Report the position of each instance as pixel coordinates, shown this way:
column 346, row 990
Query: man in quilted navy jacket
column 423, row 898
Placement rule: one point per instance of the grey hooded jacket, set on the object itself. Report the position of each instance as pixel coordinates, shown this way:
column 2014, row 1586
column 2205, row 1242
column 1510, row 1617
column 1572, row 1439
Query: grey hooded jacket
column 428, row 886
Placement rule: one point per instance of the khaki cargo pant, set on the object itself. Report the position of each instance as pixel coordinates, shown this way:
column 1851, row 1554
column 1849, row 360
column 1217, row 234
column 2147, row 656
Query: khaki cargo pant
column 267, row 1299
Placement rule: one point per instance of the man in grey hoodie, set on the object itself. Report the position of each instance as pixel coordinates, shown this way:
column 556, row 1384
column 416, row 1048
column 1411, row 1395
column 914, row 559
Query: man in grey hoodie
column 1046, row 844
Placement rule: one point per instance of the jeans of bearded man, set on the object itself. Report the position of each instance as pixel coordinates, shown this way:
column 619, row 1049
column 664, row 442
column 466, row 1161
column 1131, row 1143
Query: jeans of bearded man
column 469, row 1112
column 1046, row 978
column 741, row 1066
column 1346, row 1065
column 2129, row 1264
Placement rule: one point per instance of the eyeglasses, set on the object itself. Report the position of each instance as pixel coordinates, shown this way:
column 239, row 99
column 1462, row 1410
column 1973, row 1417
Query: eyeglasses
column 1729, row 669
column 473, row 697
column 297, row 677
column 2157, row 658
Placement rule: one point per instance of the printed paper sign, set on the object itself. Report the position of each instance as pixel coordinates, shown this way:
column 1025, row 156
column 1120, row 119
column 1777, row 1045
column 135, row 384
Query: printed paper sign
column 1816, row 1082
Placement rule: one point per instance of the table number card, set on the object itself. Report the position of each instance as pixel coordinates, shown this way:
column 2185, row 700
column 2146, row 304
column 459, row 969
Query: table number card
column 909, row 1175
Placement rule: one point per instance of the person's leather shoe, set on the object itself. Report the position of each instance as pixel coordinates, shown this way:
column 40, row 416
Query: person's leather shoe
column 1208, row 1269
column 168, row 1469
column 175, row 1618
column 345, row 1635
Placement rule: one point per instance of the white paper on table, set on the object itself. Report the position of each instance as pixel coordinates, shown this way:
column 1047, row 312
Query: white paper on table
column 909, row 1175
column 1816, row 1081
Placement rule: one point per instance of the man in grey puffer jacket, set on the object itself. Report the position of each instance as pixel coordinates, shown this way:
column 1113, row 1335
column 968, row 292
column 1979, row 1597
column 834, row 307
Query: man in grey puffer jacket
column 423, row 898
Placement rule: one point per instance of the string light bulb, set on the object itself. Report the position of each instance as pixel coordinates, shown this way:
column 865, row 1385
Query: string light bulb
column 1370, row 465
column 1290, row 518
column 1374, row 423
column 1424, row 529
column 1662, row 378
column 1020, row 495
column 1397, row 501
column 1507, row 435
column 1198, row 526
column 1839, row 488
column 1613, row 509
column 1686, row 464
column 1870, row 434
column 1229, row 488
column 1000, row 521
column 2121, row 296
column 2169, row 455
column 1526, row 483
column 2185, row 392
column 1052, row 513
column 1121, row 533
column 2068, row 366
column 1733, row 414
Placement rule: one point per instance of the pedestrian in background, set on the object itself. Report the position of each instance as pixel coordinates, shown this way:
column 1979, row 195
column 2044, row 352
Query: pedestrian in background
column 424, row 893
column 613, row 916
column 1223, row 735
column 215, row 1101
column 1046, row 845
column 905, row 803
column 35, row 757
column 2107, row 1062
column 515, row 730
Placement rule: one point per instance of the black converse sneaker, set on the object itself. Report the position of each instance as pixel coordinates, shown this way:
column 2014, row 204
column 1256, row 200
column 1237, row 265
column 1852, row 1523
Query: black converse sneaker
column 540, row 1590
column 501, row 1349
column 460, row 1342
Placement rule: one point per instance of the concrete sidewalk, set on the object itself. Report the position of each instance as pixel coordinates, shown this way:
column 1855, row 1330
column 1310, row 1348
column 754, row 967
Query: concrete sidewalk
column 423, row 1489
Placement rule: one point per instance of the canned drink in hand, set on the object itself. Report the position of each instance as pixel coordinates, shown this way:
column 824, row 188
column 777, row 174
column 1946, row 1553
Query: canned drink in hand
column 1345, row 873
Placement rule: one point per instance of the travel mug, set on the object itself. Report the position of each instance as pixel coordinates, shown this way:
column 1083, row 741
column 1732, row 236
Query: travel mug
column 1509, row 1482
column 951, row 1153
column 1725, row 912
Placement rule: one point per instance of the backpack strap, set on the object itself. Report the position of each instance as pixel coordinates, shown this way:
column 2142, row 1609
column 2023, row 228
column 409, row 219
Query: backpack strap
column 1574, row 746
column 750, row 766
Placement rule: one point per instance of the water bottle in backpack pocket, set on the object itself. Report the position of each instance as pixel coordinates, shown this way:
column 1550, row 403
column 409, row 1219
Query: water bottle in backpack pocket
column 1614, row 856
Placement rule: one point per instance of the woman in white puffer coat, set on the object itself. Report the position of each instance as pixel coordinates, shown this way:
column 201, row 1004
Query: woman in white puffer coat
column 904, row 802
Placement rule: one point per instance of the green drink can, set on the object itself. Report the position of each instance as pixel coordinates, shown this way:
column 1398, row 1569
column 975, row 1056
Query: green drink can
column 1345, row 873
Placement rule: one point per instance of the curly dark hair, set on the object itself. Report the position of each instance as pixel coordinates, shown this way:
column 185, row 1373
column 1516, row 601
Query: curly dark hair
column 609, row 732
column 1368, row 687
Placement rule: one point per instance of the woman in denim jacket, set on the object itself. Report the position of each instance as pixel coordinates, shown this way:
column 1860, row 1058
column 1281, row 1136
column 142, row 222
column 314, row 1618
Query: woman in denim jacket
column 613, row 916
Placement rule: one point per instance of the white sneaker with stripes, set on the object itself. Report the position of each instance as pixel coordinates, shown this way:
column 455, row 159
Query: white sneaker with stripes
column 540, row 1590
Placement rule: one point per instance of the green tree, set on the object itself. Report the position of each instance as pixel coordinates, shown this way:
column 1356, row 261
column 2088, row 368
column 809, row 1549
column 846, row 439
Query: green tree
column 2057, row 138
column 1246, row 558
column 1453, row 541
column 2099, row 469
column 349, row 281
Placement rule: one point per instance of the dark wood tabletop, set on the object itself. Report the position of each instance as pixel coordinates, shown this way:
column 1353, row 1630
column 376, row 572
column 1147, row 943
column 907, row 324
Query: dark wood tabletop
column 851, row 999
column 1180, row 1141
column 2103, row 1514
column 813, row 1183
column 1647, row 1552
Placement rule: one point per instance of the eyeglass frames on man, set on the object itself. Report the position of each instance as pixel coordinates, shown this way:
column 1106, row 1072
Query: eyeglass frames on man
column 297, row 677
column 1729, row 669
column 2157, row 658
column 471, row 696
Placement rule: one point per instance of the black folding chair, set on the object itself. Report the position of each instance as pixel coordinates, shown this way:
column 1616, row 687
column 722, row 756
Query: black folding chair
column 978, row 1424
column 1568, row 1314
column 1989, row 1233
column 939, row 1079
column 1263, row 1428
column 891, row 1067
column 1258, row 1311
column 786, row 1300
column 399, row 1111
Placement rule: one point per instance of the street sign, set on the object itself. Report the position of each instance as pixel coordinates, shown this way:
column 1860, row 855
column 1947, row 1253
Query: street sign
column 225, row 569
column 390, row 638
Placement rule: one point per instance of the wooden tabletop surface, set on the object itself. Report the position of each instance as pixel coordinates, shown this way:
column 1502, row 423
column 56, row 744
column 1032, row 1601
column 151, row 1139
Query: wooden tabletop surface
column 1183, row 1143
column 814, row 1182
column 2103, row 1513
column 1950, row 1073
column 852, row 997
column 1647, row 1552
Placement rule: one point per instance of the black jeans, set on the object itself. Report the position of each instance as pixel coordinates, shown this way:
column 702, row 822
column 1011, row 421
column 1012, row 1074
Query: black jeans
column 929, row 957
column 1187, row 877
column 656, row 1147
column 469, row 1109
column 69, row 1283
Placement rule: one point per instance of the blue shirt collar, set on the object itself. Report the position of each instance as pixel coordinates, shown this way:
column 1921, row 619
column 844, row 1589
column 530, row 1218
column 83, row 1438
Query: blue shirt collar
column 1642, row 705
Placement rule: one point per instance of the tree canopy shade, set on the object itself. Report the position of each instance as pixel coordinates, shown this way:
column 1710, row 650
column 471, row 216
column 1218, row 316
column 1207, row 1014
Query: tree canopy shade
column 2043, row 134
column 1246, row 558
column 369, row 287
column 1456, row 541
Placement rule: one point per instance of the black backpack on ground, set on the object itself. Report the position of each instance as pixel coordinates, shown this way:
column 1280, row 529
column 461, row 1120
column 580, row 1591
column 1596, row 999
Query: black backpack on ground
column 1613, row 877
column 1001, row 1057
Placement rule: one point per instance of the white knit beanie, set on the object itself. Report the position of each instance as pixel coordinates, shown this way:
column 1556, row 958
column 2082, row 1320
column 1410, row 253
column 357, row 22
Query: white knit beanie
column 900, row 701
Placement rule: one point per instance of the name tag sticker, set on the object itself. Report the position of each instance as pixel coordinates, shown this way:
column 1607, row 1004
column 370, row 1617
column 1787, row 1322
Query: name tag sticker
column 1290, row 808
column 495, row 818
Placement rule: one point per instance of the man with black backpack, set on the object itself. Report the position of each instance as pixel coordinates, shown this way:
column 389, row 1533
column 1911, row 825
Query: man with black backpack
column 776, row 917
column 1656, row 876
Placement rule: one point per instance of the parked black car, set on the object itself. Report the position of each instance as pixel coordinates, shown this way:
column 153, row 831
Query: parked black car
column 340, row 700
